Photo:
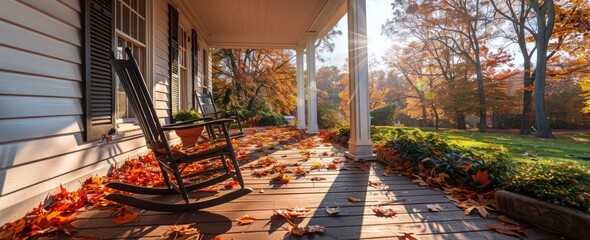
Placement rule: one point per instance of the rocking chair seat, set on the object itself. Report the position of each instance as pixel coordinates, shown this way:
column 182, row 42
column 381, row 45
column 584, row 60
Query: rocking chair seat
column 172, row 165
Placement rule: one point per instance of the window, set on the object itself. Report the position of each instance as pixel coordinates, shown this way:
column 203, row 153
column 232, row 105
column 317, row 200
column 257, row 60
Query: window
column 130, row 32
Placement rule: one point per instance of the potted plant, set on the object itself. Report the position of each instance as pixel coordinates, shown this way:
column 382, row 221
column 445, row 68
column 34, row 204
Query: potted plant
column 188, row 136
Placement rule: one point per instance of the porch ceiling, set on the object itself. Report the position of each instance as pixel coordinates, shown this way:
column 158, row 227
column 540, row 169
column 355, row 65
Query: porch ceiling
column 263, row 23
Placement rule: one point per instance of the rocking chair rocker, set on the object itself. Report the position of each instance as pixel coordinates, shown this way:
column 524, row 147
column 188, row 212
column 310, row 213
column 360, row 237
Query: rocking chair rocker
column 156, row 140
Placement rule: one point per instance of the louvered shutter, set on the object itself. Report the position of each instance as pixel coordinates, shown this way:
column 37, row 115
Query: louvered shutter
column 174, row 71
column 98, row 31
column 194, row 62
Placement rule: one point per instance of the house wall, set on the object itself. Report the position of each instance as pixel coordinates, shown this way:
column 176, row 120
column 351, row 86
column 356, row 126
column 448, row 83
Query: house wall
column 41, row 102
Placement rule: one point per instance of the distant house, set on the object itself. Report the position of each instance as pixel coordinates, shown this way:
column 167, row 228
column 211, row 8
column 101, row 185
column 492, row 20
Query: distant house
column 60, row 103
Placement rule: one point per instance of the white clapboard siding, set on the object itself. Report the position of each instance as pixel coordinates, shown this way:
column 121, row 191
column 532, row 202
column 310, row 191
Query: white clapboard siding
column 29, row 128
column 56, row 10
column 35, row 42
column 24, row 106
column 17, row 178
column 23, row 84
column 31, row 63
column 25, row 16
column 161, row 64
column 73, row 4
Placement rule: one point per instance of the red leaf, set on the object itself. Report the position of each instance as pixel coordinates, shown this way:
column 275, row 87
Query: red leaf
column 482, row 178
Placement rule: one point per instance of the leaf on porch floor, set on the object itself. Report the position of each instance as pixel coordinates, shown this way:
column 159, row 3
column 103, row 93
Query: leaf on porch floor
column 507, row 229
column 385, row 212
column 317, row 179
column 10, row 230
column 332, row 210
column 315, row 229
column 209, row 190
column 332, row 166
column 406, row 236
column 353, row 199
column 301, row 171
column 434, row 207
column 185, row 231
column 245, row 220
column 505, row 219
column 281, row 177
column 124, row 215
column 231, row 184
column 375, row 183
column 296, row 230
column 481, row 209
column 316, row 165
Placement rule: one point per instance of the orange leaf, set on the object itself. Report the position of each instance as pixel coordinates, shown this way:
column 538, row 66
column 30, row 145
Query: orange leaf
column 317, row 179
column 482, row 178
column 505, row 219
column 126, row 216
column 386, row 212
column 245, row 220
column 231, row 184
column 353, row 199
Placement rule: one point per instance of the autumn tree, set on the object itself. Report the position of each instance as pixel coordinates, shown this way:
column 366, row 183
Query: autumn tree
column 259, row 79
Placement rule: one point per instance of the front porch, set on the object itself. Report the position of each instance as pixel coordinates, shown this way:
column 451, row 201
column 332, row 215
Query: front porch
column 290, row 148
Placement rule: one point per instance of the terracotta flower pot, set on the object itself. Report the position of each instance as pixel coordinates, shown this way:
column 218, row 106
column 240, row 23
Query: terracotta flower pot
column 189, row 136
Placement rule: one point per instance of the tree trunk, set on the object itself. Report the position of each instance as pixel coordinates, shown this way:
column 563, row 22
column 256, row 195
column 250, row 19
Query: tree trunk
column 495, row 120
column 423, row 123
column 527, row 103
column 482, row 99
column 461, row 122
column 545, row 28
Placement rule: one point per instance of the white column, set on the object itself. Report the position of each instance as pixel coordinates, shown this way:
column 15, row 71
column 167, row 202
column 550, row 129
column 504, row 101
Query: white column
column 312, row 86
column 300, row 91
column 359, row 145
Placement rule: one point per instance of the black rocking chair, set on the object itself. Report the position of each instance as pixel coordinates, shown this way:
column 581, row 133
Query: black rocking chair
column 207, row 107
column 156, row 140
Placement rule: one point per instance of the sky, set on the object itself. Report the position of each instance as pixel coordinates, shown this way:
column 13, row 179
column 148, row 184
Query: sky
column 378, row 11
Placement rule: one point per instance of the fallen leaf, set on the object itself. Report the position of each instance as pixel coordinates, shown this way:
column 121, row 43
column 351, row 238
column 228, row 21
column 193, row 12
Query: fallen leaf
column 296, row 230
column 186, row 230
column 375, row 183
column 332, row 210
column 231, row 184
column 209, row 190
column 316, row 165
column 505, row 219
column 507, row 229
column 481, row 209
column 281, row 177
column 482, row 178
column 261, row 191
column 315, row 229
column 406, row 236
column 317, row 179
column 245, row 220
column 353, row 199
column 125, row 216
column 434, row 207
column 386, row 212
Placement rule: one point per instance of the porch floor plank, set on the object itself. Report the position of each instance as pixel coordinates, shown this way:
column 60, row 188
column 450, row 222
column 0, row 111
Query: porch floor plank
column 355, row 221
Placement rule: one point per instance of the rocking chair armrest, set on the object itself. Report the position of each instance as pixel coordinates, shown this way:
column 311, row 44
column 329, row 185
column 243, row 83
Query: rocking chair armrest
column 220, row 121
column 188, row 122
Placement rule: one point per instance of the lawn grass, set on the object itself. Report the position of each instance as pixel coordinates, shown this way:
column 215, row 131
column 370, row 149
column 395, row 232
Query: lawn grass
column 566, row 147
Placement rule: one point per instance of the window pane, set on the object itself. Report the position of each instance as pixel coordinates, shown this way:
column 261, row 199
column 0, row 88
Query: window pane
column 141, row 8
column 133, row 29
column 141, row 29
column 119, row 12
column 126, row 20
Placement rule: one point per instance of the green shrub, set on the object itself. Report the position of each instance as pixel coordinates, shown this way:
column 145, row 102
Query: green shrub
column 184, row 115
column 271, row 119
column 383, row 116
column 564, row 184
column 329, row 117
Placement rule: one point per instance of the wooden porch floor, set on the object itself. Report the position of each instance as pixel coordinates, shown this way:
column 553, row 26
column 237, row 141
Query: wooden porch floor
column 355, row 221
